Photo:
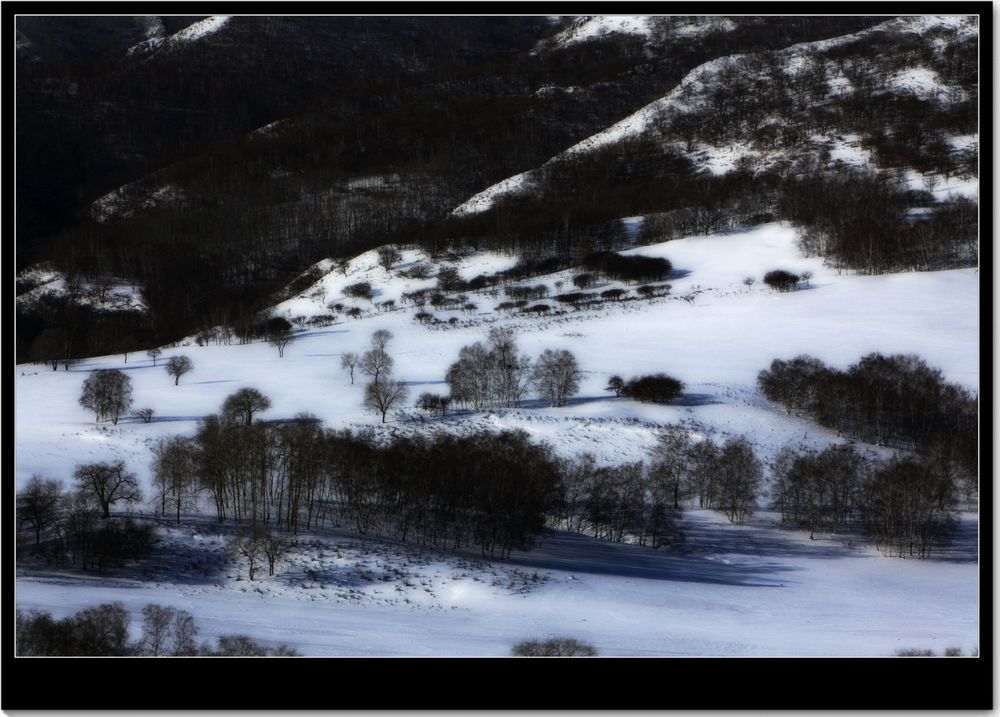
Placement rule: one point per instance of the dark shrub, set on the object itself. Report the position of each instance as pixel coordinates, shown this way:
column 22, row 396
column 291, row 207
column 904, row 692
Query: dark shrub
column 781, row 280
column 361, row 290
column 658, row 388
column 554, row 647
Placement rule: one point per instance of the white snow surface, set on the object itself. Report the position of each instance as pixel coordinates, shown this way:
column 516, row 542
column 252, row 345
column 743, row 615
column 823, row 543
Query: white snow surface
column 200, row 29
column 751, row 590
column 191, row 33
column 518, row 184
column 592, row 27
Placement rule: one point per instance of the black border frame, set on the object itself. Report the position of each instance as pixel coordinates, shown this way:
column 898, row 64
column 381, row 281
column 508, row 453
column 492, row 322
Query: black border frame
column 508, row 683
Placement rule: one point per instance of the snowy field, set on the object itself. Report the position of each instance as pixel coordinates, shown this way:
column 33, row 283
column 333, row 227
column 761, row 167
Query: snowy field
column 726, row 590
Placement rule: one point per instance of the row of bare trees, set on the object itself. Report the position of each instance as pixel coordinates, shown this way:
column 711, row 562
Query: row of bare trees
column 497, row 374
column 903, row 505
column 104, row 630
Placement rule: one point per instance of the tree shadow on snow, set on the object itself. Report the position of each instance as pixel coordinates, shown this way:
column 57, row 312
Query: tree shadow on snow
column 695, row 399
column 575, row 553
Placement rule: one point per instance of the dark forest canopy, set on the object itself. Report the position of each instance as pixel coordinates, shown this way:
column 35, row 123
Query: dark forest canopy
column 232, row 163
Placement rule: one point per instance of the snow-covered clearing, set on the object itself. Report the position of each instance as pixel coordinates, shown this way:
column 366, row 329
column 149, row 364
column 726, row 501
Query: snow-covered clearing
column 751, row 590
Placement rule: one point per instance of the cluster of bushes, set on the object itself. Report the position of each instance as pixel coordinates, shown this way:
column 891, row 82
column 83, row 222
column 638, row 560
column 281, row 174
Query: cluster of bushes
column 361, row 290
column 781, row 280
column 892, row 400
column 529, row 293
column 554, row 647
column 628, row 268
column 104, row 631
column 657, row 388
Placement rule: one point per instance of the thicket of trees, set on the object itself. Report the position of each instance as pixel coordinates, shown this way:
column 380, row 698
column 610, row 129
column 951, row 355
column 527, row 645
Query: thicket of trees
column 495, row 374
column 490, row 374
column 895, row 400
column 903, row 505
column 103, row 631
column 490, row 490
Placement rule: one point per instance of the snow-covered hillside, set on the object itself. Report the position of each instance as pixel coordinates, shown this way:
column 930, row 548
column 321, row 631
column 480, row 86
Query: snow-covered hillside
column 191, row 33
column 693, row 96
column 727, row 590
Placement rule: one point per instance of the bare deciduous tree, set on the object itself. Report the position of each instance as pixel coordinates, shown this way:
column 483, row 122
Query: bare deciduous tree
column 382, row 395
column 279, row 334
column 241, row 406
column 108, row 393
column 249, row 545
column 348, row 362
column 556, row 374
column 388, row 256
column 153, row 354
column 38, row 504
column 174, row 475
column 107, row 483
column 177, row 366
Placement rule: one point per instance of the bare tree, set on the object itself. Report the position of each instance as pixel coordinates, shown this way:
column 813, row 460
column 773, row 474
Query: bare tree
column 376, row 362
column 249, row 545
column 349, row 362
column 177, row 366
column 157, row 621
column 279, row 334
column 616, row 384
column 557, row 375
column 146, row 414
column 274, row 548
column 242, row 405
column 740, row 474
column 174, row 474
column 108, row 393
column 670, row 461
column 153, row 354
column 382, row 395
column 388, row 256
column 108, row 483
column 38, row 504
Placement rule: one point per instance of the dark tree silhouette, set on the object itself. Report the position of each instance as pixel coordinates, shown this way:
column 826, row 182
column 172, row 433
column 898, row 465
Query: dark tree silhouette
column 241, row 406
column 108, row 393
column 177, row 366
column 107, row 483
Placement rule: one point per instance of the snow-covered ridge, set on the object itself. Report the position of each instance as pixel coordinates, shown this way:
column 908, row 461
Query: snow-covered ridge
column 125, row 201
column 108, row 295
column 191, row 33
column 690, row 94
column 588, row 28
column 651, row 27
column 485, row 199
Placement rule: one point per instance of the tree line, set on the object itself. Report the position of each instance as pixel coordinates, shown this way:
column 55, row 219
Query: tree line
column 904, row 505
column 104, row 631
column 895, row 400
